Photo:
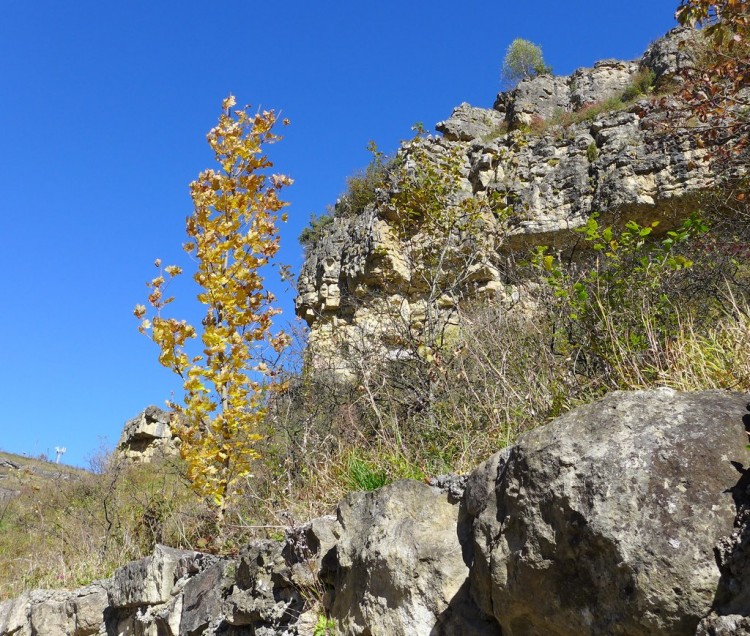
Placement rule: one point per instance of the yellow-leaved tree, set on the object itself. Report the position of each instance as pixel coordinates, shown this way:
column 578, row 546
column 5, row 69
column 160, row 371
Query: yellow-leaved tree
column 233, row 235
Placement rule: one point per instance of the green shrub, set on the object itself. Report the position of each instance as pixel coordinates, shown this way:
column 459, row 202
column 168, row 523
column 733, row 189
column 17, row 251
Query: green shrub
column 642, row 84
column 592, row 152
column 318, row 227
column 324, row 626
column 361, row 191
column 614, row 308
column 523, row 59
column 362, row 187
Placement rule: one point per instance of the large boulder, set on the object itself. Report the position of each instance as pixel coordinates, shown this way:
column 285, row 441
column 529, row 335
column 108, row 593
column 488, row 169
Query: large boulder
column 75, row 613
column 629, row 516
column 605, row 521
column 400, row 566
column 468, row 122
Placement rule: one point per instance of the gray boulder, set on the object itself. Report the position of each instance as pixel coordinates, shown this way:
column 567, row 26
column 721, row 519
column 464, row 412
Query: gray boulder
column 630, row 516
column 149, row 581
column 732, row 625
column 467, row 123
column 400, row 566
column 75, row 613
column 610, row 515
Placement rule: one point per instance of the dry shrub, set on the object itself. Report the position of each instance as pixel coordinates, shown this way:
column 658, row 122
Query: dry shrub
column 67, row 532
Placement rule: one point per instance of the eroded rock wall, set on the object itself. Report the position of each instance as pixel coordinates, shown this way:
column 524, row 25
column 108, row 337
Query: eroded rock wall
column 147, row 437
column 550, row 172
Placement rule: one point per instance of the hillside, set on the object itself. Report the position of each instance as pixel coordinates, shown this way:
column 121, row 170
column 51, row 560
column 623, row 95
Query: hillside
column 19, row 473
column 526, row 369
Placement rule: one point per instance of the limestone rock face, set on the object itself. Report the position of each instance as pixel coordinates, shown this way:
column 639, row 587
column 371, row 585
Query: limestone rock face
column 551, row 179
column 674, row 53
column 149, row 581
column 610, row 515
column 467, row 123
column 147, row 437
column 608, row 78
column 539, row 97
column 75, row 613
column 402, row 574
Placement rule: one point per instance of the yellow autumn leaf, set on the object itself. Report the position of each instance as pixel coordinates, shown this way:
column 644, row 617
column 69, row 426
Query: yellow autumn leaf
column 232, row 235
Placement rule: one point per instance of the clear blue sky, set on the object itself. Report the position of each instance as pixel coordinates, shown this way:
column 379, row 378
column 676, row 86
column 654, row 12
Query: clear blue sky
column 104, row 107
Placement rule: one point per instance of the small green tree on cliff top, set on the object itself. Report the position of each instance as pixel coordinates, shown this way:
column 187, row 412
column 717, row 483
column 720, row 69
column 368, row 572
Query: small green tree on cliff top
column 523, row 60
column 233, row 236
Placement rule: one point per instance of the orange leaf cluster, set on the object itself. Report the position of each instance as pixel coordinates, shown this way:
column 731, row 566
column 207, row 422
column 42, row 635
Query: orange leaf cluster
column 714, row 91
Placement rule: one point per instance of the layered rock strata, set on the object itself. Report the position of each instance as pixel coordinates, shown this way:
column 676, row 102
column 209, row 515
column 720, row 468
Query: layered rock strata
column 561, row 161
column 147, row 437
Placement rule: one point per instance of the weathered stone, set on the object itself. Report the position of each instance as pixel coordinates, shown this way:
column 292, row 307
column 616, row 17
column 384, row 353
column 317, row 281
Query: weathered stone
column 468, row 122
column 453, row 485
column 480, row 484
column 537, row 98
column 74, row 613
column 202, row 597
column 14, row 616
column 264, row 595
column 307, row 547
column 676, row 52
column 147, row 437
column 148, row 581
column 731, row 608
column 608, row 78
column 732, row 625
column 610, row 515
column 89, row 605
column 398, row 573
column 357, row 288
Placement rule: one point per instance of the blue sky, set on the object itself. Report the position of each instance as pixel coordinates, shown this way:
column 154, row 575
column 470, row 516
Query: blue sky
column 104, row 107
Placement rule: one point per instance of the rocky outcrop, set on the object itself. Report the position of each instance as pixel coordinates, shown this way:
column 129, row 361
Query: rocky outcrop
column 628, row 516
column 147, row 437
column 79, row 612
column 545, row 177
column 546, row 97
column 611, row 516
column 397, row 573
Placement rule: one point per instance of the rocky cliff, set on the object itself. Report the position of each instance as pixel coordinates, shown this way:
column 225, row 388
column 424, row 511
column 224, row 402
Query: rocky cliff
column 627, row 516
column 552, row 152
